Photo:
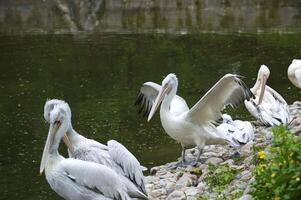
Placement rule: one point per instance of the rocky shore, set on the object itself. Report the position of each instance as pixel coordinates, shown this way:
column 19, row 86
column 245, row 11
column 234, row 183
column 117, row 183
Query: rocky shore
column 222, row 173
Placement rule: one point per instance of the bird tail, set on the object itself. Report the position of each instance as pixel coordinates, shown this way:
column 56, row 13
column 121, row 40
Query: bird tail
column 138, row 195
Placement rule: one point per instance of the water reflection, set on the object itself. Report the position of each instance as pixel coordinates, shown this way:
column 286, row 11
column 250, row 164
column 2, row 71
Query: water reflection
column 100, row 75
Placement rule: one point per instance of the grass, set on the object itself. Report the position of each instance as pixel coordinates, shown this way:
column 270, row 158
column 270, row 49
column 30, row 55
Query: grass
column 219, row 177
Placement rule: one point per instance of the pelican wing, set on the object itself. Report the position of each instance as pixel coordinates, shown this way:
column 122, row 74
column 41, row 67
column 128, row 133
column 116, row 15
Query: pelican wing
column 276, row 95
column 229, row 90
column 95, row 177
column 282, row 113
column 148, row 94
column 128, row 162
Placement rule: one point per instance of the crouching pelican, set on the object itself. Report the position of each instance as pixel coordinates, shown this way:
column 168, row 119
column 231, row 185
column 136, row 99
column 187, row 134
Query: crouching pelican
column 113, row 155
column 75, row 179
column 294, row 73
column 268, row 107
column 191, row 127
column 241, row 132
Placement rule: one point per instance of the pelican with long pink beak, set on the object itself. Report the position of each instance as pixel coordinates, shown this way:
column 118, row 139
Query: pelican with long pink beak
column 268, row 106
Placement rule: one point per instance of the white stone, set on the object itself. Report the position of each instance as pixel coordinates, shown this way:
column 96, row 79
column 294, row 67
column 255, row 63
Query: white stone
column 246, row 150
column 185, row 180
column 176, row 195
column 157, row 193
column 214, row 160
column 191, row 191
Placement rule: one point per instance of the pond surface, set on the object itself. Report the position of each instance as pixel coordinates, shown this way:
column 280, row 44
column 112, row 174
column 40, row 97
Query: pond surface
column 100, row 76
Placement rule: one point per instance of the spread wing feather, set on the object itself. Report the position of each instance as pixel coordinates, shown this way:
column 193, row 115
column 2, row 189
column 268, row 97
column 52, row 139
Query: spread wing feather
column 229, row 90
column 148, row 94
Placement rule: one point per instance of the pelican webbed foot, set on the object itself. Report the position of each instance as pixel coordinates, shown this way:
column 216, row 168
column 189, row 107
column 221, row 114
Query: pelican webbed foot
column 174, row 165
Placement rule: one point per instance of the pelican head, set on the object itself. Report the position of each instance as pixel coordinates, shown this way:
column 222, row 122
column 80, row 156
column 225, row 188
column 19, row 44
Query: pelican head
column 226, row 118
column 48, row 107
column 60, row 122
column 168, row 91
column 263, row 75
column 50, row 104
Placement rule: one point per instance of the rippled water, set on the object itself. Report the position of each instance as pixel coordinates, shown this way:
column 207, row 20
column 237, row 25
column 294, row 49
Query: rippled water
column 100, row 75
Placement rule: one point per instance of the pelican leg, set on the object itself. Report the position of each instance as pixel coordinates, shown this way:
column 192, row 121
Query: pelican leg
column 185, row 162
column 198, row 156
column 183, row 153
column 180, row 163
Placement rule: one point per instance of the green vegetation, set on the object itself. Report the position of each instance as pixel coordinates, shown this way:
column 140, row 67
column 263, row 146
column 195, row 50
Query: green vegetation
column 200, row 197
column 219, row 177
column 196, row 171
column 278, row 168
column 238, row 159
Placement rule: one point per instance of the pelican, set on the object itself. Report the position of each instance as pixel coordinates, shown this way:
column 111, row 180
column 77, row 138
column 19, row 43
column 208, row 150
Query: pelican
column 75, row 179
column 241, row 132
column 191, row 127
column 113, row 155
column 268, row 107
column 294, row 73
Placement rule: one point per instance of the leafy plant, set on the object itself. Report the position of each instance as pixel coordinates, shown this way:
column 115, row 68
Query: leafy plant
column 278, row 168
column 219, row 177
column 200, row 197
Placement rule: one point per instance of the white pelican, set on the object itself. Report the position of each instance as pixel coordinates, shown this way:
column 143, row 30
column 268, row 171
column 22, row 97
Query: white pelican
column 294, row 73
column 75, row 179
column 241, row 132
column 113, row 155
column 268, row 107
column 191, row 127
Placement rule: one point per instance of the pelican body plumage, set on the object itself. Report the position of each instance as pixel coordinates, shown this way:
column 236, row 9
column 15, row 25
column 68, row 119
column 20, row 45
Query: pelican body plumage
column 113, row 156
column 191, row 127
column 268, row 106
column 75, row 179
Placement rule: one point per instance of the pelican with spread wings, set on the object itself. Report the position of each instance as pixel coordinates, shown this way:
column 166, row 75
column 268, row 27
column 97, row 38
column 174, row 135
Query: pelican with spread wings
column 195, row 126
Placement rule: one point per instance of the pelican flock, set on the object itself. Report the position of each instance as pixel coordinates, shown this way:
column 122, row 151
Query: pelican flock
column 96, row 171
column 268, row 106
column 192, row 127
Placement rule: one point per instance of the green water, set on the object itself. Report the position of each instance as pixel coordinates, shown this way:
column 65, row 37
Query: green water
column 100, row 75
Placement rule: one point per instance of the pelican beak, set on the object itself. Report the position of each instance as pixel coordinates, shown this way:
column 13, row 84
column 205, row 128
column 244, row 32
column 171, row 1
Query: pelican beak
column 68, row 143
column 53, row 128
column 263, row 84
column 165, row 90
